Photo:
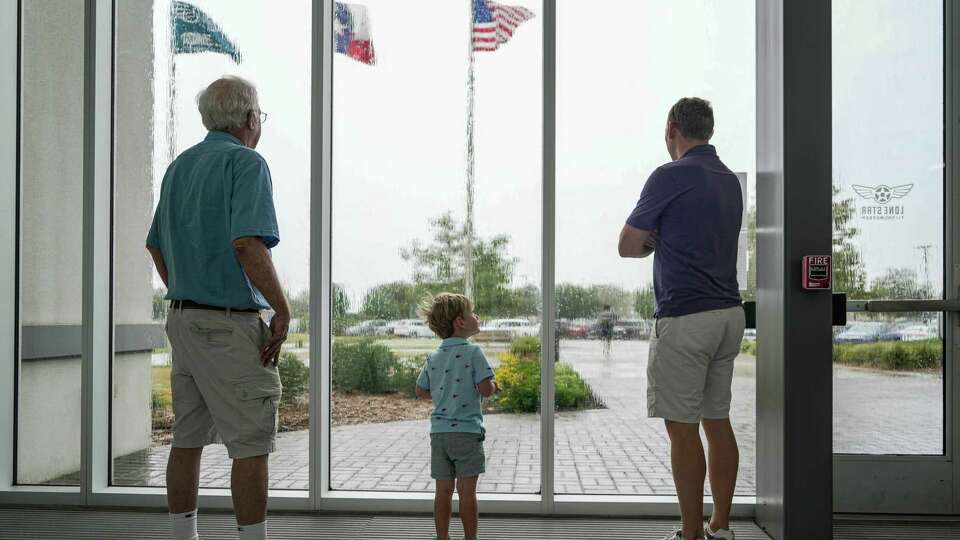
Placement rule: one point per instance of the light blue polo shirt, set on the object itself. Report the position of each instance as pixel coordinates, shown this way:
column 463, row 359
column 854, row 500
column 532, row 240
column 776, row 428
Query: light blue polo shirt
column 452, row 374
column 215, row 192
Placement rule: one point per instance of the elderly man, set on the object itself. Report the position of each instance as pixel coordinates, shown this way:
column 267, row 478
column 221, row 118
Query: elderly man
column 690, row 212
column 210, row 240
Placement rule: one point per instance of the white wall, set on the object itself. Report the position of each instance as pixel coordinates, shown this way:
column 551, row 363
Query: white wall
column 48, row 434
column 51, row 227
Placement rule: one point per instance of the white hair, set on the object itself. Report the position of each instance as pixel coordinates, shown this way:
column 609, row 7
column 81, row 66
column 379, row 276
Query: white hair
column 227, row 102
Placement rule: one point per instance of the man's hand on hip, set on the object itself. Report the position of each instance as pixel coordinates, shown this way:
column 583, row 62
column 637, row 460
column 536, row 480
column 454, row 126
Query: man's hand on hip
column 279, row 326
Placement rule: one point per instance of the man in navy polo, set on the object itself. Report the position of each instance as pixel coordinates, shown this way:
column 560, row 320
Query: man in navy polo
column 689, row 213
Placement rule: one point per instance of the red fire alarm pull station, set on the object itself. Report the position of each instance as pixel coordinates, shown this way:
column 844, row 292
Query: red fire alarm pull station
column 817, row 271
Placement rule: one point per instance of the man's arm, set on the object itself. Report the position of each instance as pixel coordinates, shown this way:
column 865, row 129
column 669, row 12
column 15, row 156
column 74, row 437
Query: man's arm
column 422, row 393
column 159, row 263
column 256, row 262
column 636, row 243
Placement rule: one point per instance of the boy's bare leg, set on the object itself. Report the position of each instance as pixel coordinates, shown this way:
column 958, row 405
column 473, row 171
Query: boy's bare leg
column 443, row 507
column 469, row 510
column 724, row 461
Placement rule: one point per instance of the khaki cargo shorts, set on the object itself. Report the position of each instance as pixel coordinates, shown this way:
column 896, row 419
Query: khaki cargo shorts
column 690, row 366
column 221, row 390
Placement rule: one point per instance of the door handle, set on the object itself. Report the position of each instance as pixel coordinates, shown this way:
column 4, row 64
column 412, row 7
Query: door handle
column 839, row 307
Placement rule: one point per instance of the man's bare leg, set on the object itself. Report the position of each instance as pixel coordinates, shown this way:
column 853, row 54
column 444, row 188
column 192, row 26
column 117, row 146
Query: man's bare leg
column 248, row 485
column 469, row 509
column 724, row 462
column 183, row 479
column 443, row 507
column 689, row 473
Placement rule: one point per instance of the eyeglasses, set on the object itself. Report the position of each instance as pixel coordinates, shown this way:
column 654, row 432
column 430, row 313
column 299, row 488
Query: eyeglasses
column 262, row 116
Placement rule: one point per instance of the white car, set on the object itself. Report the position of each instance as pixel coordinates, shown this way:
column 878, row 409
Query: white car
column 412, row 328
column 514, row 327
column 916, row 332
column 373, row 327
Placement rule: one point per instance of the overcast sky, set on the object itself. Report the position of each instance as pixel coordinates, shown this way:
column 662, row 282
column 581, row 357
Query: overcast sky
column 399, row 126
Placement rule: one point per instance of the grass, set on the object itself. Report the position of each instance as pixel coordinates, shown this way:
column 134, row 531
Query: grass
column 160, row 381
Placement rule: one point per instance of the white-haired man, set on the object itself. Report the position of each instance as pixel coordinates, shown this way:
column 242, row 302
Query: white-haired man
column 210, row 239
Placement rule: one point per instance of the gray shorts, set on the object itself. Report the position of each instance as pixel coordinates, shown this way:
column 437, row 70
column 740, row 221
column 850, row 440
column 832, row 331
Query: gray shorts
column 221, row 390
column 456, row 455
column 690, row 366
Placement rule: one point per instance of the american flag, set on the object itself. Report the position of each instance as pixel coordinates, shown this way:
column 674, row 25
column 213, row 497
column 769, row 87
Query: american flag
column 494, row 24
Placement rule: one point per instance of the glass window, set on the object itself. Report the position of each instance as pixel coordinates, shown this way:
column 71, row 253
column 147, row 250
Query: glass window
column 50, row 243
column 612, row 106
column 400, row 230
column 888, row 223
column 156, row 120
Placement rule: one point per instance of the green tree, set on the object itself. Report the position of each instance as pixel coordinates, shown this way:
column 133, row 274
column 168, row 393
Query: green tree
column 396, row 300
column 645, row 304
column 750, row 291
column 576, row 302
column 159, row 304
column 438, row 266
column 898, row 283
column 619, row 299
column 341, row 302
column 849, row 275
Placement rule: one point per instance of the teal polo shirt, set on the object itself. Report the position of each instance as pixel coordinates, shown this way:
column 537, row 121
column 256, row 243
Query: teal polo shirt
column 215, row 192
column 452, row 374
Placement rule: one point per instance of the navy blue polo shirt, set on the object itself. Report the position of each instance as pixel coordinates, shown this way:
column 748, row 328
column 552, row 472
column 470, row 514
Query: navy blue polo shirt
column 696, row 206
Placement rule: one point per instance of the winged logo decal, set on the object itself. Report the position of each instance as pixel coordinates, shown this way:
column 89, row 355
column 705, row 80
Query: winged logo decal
column 882, row 194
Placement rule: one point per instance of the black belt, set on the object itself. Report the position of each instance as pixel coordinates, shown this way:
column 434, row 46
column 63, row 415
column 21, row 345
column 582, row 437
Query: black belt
column 190, row 304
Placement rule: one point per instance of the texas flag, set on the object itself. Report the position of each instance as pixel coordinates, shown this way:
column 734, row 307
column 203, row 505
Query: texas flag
column 351, row 32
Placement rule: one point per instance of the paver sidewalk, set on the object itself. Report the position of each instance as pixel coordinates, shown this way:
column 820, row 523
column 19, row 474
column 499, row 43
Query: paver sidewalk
column 617, row 450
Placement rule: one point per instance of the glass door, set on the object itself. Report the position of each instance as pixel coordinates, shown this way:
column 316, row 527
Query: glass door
column 892, row 360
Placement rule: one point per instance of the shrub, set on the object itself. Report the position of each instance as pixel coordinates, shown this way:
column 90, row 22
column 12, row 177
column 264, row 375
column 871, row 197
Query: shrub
column 295, row 377
column 572, row 392
column 368, row 366
column 362, row 365
column 159, row 408
column 519, row 379
column 893, row 355
column 748, row 347
column 526, row 347
column 404, row 375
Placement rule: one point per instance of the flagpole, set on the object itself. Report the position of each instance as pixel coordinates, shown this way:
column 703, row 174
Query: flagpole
column 172, row 90
column 468, row 222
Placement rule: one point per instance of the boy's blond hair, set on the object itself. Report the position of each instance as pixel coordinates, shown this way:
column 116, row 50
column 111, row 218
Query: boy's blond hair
column 441, row 310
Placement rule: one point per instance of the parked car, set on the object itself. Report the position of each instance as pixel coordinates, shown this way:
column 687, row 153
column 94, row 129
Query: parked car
column 866, row 332
column 573, row 329
column 916, row 332
column 750, row 334
column 394, row 328
column 373, row 327
column 420, row 329
column 400, row 328
column 413, row 328
column 514, row 327
column 628, row 329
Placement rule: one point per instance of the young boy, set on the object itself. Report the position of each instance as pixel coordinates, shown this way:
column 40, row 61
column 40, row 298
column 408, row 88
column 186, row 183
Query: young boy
column 454, row 378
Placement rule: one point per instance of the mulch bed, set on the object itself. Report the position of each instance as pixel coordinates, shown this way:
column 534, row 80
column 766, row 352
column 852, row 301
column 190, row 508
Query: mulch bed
column 348, row 409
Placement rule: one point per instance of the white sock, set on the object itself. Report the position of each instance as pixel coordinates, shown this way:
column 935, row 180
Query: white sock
column 253, row 532
column 184, row 526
